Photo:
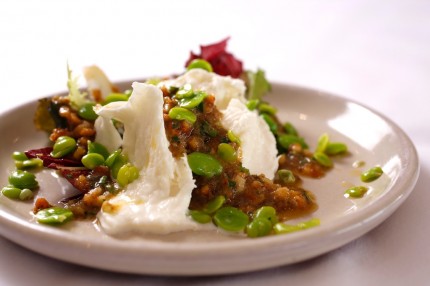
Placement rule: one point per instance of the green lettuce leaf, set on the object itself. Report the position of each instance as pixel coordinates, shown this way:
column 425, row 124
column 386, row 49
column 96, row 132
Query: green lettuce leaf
column 77, row 98
column 258, row 85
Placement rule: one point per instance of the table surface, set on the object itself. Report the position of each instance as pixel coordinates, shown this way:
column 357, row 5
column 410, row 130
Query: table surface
column 375, row 52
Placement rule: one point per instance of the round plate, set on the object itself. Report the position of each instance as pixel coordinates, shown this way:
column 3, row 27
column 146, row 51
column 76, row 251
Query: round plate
column 371, row 138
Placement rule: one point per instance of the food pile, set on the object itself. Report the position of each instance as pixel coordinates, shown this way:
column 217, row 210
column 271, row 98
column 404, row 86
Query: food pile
column 175, row 154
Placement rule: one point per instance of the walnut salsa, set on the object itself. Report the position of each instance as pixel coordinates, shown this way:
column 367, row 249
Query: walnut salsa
column 241, row 189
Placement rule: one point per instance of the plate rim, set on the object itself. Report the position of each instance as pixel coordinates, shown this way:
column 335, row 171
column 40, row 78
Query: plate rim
column 13, row 226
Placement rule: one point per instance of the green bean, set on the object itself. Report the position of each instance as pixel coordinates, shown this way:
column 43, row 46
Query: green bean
column 23, row 180
column 233, row 137
column 115, row 97
column 92, row 160
column 259, row 227
column 185, row 92
column 200, row 216
column 11, row 192
column 134, row 173
column 310, row 223
column 281, row 228
column 226, row 152
column 204, row 164
column 272, row 124
column 123, row 176
column 323, row 159
column 180, row 113
column 231, row 219
column 268, row 213
column 214, row 205
column 127, row 174
column 200, row 64
column 290, row 129
column 19, row 156
column 336, row 148
column 29, row 164
column 322, row 144
column 54, row 216
column 63, row 146
column 356, row 192
column 120, row 160
column 87, row 112
column 252, row 104
column 26, row 194
column 266, row 108
column 95, row 147
column 372, row 174
column 286, row 176
column 110, row 160
column 191, row 102
column 285, row 140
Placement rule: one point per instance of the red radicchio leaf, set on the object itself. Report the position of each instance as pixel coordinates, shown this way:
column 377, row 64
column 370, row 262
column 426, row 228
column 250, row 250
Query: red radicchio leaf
column 50, row 162
column 210, row 52
column 223, row 63
column 227, row 65
column 70, row 169
column 192, row 57
column 92, row 177
column 71, row 174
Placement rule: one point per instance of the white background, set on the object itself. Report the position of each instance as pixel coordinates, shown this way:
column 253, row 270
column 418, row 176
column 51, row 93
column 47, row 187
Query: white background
column 375, row 52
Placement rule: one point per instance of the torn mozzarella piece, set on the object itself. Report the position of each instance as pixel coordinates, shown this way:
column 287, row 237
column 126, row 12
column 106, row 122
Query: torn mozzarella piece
column 157, row 202
column 224, row 88
column 259, row 153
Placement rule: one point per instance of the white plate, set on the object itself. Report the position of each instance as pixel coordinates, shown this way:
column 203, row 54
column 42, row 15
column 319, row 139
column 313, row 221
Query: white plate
column 370, row 137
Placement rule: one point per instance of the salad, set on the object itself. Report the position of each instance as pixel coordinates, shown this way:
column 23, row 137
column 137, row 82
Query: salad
column 186, row 152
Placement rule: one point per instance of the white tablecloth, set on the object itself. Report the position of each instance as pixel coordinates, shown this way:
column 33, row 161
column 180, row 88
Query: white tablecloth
column 375, row 52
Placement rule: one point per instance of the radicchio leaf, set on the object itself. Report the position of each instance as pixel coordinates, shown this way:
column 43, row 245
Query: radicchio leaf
column 92, row 177
column 71, row 169
column 72, row 173
column 223, row 63
column 50, row 162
